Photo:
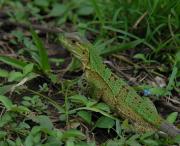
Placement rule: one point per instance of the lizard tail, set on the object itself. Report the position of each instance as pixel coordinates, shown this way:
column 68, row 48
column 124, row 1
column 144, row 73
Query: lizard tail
column 170, row 129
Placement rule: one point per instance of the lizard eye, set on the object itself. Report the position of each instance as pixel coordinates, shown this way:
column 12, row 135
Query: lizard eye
column 73, row 41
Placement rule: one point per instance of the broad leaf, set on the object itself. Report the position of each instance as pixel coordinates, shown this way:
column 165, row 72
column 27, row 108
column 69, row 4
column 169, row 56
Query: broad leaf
column 172, row 117
column 105, row 122
column 3, row 73
column 44, row 122
column 3, row 134
column 42, row 3
column 102, row 106
column 85, row 10
column 6, row 88
column 86, row 116
column 177, row 139
column 28, row 68
column 79, row 99
column 58, row 9
column 6, row 102
column 72, row 133
column 15, row 76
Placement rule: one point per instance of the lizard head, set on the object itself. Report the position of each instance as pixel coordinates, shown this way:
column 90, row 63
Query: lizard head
column 77, row 47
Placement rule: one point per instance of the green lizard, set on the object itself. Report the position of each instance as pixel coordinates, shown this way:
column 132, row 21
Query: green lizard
column 114, row 91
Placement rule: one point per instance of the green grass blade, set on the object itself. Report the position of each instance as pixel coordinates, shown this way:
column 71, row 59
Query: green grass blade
column 128, row 34
column 44, row 62
column 172, row 78
column 13, row 62
column 121, row 47
column 98, row 13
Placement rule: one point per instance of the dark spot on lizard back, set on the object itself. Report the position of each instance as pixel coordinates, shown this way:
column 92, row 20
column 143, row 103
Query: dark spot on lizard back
column 135, row 97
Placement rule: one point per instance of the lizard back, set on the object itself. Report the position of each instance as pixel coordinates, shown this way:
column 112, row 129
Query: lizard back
column 116, row 91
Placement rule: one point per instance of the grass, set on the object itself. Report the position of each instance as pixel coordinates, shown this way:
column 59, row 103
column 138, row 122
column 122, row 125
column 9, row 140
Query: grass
column 45, row 100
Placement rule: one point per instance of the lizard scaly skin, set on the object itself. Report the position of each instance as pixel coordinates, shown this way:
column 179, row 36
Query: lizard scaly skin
column 114, row 91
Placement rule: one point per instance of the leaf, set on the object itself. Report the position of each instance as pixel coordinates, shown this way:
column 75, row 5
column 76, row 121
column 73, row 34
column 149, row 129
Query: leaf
column 140, row 56
column 125, row 125
column 44, row 121
column 42, row 3
column 57, row 61
column 177, row 139
column 28, row 68
column 72, row 133
column 13, row 62
column 3, row 73
column 44, row 62
column 150, row 142
column 58, row 9
column 15, row 76
column 19, row 35
column 6, row 88
column 132, row 141
column 102, row 106
column 146, row 135
column 20, row 109
column 115, row 143
column 5, row 119
column 79, row 99
column 172, row 117
column 19, row 141
column 105, row 122
column 95, row 110
column 29, row 140
column 6, row 102
column 91, row 103
column 70, row 142
column 54, row 78
column 172, row 78
column 118, row 127
column 86, row 116
column 3, row 134
column 158, row 91
column 36, row 129
column 37, row 138
column 24, row 125
column 10, row 142
column 85, row 10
